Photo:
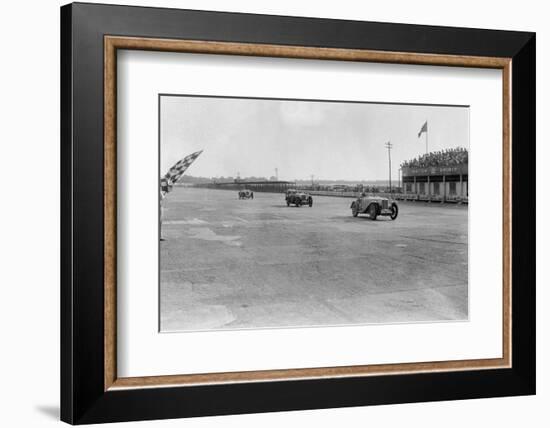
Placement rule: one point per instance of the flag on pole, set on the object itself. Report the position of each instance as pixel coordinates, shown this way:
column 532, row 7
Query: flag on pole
column 175, row 173
column 423, row 129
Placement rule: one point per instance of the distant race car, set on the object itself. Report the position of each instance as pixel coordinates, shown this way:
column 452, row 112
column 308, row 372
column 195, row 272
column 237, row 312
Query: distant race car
column 374, row 206
column 246, row 194
column 298, row 198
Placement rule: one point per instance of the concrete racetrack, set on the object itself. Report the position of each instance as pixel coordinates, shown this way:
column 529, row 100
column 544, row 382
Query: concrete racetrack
column 230, row 264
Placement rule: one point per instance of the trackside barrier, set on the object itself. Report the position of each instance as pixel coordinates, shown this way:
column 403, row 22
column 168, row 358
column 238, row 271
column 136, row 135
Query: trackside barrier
column 348, row 194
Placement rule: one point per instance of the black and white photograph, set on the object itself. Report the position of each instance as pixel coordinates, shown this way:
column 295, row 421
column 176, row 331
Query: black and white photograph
column 260, row 214
column 282, row 213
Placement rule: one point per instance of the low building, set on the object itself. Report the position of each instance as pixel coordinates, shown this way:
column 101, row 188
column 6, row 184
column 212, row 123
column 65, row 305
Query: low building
column 436, row 183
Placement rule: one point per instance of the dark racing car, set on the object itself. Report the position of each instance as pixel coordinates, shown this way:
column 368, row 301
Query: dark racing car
column 246, row 194
column 294, row 197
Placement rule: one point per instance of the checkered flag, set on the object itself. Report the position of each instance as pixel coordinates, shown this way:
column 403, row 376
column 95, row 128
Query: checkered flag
column 175, row 173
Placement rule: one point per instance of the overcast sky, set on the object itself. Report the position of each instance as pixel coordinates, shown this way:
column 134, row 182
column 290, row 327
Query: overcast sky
column 331, row 140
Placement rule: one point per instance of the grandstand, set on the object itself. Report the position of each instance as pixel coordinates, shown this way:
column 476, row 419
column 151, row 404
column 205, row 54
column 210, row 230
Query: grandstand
column 440, row 176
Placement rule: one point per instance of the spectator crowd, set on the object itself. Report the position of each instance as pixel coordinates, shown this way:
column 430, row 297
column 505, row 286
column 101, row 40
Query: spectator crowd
column 445, row 157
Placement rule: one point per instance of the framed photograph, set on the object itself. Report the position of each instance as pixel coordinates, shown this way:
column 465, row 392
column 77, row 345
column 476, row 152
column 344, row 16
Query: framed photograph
column 265, row 213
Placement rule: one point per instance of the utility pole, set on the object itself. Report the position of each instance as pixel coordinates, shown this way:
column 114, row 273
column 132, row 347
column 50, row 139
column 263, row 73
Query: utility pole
column 312, row 181
column 389, row 146
column 277, row 174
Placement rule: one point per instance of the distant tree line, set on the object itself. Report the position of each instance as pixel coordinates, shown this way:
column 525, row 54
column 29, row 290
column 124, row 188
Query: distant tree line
column 194, row 179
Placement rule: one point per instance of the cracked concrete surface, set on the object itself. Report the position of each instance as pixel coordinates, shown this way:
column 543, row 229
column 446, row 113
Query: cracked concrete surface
column 232, row 264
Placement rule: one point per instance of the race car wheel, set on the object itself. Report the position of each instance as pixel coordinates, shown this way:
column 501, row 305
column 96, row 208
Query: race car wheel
column 354, row 210
column 310, row 202
column 372, row 211
column 394, row 211
column 287, row 203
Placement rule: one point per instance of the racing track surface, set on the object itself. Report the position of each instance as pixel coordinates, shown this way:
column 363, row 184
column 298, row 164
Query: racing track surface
column 230, row 264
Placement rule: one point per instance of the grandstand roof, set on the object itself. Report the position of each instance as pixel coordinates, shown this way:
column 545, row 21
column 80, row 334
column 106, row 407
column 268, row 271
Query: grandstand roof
column 436, row 170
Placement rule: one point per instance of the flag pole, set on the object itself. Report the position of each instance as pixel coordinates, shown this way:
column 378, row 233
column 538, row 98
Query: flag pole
column 426, row 136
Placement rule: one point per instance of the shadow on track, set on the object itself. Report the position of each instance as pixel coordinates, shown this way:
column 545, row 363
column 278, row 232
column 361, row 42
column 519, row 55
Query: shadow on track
column 291, row 206
column 351, row 219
